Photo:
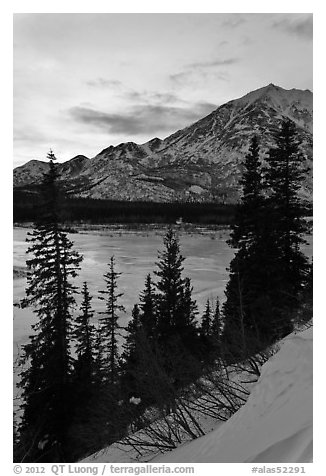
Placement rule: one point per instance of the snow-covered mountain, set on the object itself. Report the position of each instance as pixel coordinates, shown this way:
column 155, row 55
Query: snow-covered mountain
column 273, row 426
column 199, row 162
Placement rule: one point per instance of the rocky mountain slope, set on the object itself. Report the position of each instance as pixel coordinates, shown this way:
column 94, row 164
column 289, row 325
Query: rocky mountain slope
column 200, row 162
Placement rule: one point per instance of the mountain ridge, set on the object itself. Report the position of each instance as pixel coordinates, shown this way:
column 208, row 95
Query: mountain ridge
column 201, row 162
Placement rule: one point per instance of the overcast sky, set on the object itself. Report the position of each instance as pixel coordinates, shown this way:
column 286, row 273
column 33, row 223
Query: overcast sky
column 85, row 81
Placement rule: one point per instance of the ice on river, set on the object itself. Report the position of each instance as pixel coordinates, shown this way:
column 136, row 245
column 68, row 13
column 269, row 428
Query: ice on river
column 207, row 258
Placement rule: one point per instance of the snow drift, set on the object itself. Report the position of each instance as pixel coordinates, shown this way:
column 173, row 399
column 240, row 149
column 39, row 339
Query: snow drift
column 275, row 425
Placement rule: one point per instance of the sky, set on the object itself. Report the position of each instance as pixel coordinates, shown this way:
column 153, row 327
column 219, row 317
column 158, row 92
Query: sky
column 83, row 82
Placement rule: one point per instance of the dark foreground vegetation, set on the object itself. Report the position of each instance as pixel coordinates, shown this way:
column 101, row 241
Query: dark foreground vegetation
column 109, row 211
column 81, row 392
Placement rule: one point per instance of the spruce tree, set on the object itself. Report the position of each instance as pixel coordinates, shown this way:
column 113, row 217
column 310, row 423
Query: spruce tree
column 45, row 380
column 246, row 284
column 99, row 418
column 284, row 178
column 177, row 337
column 249, row 212
column 140, row 343
column 170, row 284
column 130, row 356
column 217, row 325
column 141, row 334
column 141, row 325
column 206, row 321
column 132, row 329
column 85, row 335
column 175, row 307
column 210, row 333
column 148, row 309
column 109, row 325
column 249, row 309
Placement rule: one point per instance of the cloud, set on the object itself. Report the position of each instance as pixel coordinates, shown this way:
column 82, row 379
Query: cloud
column 151, row 96
column 142, row 119
column 179, row 77
column 164, row 97
column 302, row 27
column 202, row 70
column 104, row 83
column 133, row 95
column 197, row 76
column 212, row 63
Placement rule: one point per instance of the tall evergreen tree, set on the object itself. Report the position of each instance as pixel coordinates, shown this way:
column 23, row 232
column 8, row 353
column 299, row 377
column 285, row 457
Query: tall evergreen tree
column 251, row 293
column 170, row 284
column 216, row 333
column 175, row 308
column 245, row 287
column 284, row 178
column 249, row 212
column 132, row 329
column 141, row 335
column 210, row 333
column 217, row 325
column 130, row 356
column 206, row 321
column 139, row 348
column 109, row 325
column 177, row 337
column 85, row 335
column 148, row 309
column 45, row 381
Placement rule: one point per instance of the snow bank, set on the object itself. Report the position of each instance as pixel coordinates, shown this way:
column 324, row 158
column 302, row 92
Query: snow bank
column 275, row 425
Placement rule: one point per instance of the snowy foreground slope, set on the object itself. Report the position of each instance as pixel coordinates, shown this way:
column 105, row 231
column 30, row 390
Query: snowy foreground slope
column 275, row 424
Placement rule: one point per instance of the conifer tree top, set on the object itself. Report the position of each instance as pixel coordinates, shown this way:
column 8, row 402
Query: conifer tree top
column 51, row 155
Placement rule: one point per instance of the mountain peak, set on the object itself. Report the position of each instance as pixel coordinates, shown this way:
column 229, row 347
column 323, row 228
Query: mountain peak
column 201, row 162
column 288, row 102
column 269, row 91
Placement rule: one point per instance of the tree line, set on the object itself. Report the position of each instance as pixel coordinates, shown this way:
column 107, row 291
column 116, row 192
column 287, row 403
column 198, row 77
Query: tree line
column 91, row 210
column 81, row 392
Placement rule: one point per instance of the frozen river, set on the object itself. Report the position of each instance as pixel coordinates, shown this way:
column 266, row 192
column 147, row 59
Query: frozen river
column 207, row 257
